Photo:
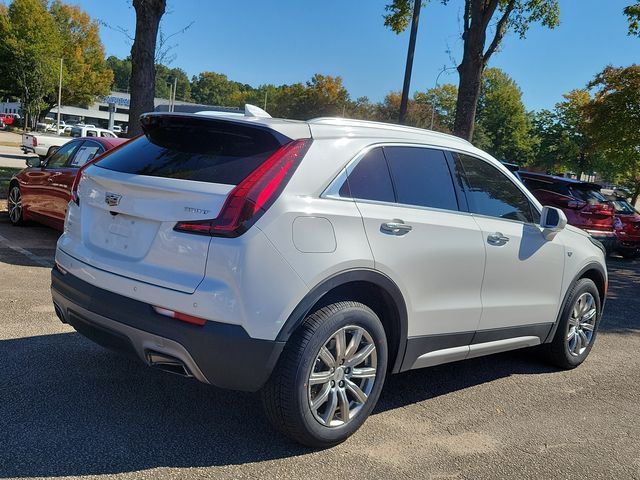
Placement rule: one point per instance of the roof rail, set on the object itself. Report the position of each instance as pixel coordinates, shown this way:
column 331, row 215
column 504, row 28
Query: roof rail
column 348, row 122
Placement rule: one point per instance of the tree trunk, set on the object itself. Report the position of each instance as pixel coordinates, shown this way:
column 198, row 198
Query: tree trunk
column 142, row 84
column 470, row 72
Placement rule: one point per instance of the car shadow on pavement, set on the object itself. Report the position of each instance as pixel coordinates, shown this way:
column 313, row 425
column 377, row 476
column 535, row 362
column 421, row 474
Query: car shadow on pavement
column 622, row 309
column 69, row 407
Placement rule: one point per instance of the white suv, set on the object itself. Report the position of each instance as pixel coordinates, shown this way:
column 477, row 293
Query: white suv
column 309, row 259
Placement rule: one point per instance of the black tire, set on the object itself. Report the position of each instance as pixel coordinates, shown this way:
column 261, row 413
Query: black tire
column 287, row 395
column 558, row 352
column 16, row 217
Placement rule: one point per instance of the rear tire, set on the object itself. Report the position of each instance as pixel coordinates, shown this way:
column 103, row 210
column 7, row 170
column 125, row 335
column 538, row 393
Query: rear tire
column 329, row 377
column 577, row 328
column 14, row 206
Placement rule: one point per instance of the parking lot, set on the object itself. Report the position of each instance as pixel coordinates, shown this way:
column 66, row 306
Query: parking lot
column 69, row 408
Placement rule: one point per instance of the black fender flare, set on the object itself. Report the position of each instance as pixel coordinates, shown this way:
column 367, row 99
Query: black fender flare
column 375, row 277
column 590, row 266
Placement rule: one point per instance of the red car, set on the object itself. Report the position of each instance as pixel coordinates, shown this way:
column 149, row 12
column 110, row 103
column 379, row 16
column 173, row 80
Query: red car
column 627, row 227
column 582, row 203
column 42, row 191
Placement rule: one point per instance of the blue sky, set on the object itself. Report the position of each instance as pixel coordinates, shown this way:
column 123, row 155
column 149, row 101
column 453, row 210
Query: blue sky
column 286, row 41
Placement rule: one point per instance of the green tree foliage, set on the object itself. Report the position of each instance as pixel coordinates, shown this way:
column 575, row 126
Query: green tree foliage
column 503, row 127
column 121, row 69
column 443, row 100
column 614, row 123
column 30, row 48
column 632, row 13
column 211, row 88
column 85, row 71
column 33, row 38
column 165, row 78
column 563, row 140
column 482, row 20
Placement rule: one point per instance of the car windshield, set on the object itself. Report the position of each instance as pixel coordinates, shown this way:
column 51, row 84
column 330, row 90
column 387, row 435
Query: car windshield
column 588, row 195
column 623, row 207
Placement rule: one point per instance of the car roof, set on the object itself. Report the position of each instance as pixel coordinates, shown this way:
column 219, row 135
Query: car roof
column 106, row 141
column 555, row 179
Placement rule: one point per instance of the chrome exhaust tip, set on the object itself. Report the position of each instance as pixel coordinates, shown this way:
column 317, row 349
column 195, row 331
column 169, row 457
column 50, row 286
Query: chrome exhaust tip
column 167, row 363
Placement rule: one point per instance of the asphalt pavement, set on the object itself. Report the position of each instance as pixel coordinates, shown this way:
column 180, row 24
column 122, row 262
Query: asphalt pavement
column 69, row 408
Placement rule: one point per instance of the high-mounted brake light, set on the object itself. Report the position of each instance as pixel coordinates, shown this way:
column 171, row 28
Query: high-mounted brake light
column 254, row 195
column 180, row 316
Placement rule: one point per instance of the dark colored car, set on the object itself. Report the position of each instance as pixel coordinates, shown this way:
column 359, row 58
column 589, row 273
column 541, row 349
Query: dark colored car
column 582, row 203
column 627, row 227
column 41, row 192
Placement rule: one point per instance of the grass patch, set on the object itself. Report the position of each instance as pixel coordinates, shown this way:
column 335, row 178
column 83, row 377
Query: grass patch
column 5, row 176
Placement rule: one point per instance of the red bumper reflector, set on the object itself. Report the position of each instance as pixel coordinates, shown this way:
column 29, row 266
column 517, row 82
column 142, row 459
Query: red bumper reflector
column 183, row 317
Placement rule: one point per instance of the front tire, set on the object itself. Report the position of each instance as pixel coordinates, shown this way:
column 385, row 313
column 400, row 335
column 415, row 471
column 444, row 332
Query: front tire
column 14, row 206
column 329, row 377
column 577, row 328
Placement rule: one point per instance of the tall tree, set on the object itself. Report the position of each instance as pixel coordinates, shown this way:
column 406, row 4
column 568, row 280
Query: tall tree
column 165, row 78
column 121, row 69
column 30, row 48
column 477, row 26
column 614, row 124
column 442, row 100
column 504, row 128
column 143, row 73
column 85, row 73
column 563, row 139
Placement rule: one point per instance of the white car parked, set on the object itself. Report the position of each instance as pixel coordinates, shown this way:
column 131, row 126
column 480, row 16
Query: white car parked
column 308, row 260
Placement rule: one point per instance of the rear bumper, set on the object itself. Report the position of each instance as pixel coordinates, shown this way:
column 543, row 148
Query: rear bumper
column 219, row 354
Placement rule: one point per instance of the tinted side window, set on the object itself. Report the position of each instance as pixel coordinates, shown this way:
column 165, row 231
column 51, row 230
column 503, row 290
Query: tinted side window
column 62, row 155
column 370, row 179
column 492, row 193
column 421, row 177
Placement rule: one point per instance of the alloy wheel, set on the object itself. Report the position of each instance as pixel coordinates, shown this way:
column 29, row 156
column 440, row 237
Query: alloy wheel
column 342, row 376
column 582, row 324
column 14, row 204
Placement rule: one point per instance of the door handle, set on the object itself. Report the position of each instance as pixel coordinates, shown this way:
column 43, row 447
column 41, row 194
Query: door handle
column 395, row 227
column 50, row 179
column 497, row 239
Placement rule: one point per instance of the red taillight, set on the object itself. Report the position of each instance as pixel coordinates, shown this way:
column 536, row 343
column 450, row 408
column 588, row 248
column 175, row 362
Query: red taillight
column 603, row 208
column 34, row 141
column 254, row 195
column 183, row 317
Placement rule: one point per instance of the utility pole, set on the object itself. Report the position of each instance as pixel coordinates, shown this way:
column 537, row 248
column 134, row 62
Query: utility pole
column 265, row 99
column 407, row 71
column 59, row 98
column 175, row 87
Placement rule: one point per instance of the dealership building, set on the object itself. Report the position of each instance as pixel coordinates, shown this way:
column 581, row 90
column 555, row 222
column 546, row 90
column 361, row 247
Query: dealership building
column 98, row 112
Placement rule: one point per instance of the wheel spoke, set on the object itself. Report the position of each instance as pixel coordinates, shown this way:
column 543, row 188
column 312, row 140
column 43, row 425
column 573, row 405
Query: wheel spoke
column 583, row 339
column 361, row 356
column 587, row 326
column 320, row 377
column 356, row 391
column 571, row 334
column 327, row 357
column 344, row 405
column 341, row 344
column 354, row 343
column 365, row 372
column 331, row 407
column 589, row 315
column 321, row 397
column 578, row 345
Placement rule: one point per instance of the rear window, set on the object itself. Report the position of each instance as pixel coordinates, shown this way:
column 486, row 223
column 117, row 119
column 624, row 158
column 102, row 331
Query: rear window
column 198, row 149
column 587, row 195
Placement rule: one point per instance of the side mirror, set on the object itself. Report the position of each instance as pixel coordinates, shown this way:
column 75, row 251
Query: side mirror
column 34, row 162
column 552, row 220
